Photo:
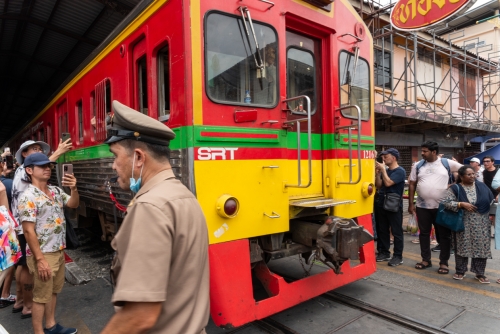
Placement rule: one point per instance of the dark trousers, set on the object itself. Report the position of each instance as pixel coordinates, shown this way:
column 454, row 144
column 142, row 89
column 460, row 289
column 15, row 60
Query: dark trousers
column 477, row 266
column 426, row 218
column 388, row 221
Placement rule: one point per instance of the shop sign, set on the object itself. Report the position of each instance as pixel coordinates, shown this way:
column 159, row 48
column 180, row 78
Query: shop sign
column 411, row 15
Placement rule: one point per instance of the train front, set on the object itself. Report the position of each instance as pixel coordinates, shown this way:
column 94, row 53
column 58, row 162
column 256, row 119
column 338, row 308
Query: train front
column 283, row 149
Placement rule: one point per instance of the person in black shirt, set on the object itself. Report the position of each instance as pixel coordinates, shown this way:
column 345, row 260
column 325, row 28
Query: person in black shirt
column 390, row 180
column 489, row 172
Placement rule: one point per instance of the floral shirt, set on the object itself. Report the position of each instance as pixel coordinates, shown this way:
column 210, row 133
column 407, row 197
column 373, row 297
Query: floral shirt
column 19, row 184
column 10, row 251
column 47, row 214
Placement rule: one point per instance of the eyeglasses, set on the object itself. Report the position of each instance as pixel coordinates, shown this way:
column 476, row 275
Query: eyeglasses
column 51, row 166
column 486, row 161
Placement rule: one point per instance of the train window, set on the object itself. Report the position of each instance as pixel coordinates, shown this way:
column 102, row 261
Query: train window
column 93, row 119
column 354, row 85
column 232, row 74
column 142, row 84
column 163, row 85
column 107, row 96
column 49, row 134
column 41, row 136
column 79, row 110
column 301, row 78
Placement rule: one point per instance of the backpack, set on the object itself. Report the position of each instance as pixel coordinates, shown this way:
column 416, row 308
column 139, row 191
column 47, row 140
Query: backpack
column 446, row 165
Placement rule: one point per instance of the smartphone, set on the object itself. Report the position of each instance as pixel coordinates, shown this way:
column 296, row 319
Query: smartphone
column 67, row 169
column 380, row 159
column 65, row 136
column 7, row 149
column 10, row 161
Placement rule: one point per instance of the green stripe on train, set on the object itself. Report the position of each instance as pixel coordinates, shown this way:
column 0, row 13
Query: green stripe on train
column 216, row 136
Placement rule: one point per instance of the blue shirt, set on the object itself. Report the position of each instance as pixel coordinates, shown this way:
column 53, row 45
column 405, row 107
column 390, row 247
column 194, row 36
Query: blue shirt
column 398, row 176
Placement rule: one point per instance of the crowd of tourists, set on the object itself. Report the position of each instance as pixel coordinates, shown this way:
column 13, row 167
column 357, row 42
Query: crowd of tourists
column 458, row 201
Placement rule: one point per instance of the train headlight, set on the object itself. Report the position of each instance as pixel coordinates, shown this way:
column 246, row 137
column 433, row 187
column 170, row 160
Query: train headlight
column 367, row 189
column 227, row 206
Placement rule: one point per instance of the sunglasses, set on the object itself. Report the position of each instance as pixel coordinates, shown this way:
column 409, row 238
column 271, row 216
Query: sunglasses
column 51, row 166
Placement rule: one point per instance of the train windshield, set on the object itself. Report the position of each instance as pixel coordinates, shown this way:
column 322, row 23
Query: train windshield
column 231, row 62
column 357, row 91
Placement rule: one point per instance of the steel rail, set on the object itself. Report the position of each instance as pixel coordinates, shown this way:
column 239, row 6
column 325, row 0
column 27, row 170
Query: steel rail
column 399, row 319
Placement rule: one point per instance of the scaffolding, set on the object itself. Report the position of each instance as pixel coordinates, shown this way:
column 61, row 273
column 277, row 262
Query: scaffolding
column 459, row 88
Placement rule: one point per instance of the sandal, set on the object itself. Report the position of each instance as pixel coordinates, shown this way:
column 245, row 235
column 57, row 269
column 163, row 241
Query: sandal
column 458, row 277
column 482, row 279
column 443, row 271
column 417, row 241
column 498, row 281
column 421, row 265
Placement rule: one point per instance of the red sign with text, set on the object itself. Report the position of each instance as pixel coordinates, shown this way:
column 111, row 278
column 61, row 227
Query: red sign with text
column 420, row 14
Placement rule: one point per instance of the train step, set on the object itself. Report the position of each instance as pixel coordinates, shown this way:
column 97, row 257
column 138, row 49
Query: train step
column 320, row 202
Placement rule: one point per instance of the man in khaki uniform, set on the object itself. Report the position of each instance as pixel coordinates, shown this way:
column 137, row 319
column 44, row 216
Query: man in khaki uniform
column 161, row 266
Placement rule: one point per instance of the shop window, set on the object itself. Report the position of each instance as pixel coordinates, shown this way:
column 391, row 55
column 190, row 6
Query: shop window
column 163, row 85
column 383, row 68
column 468, row 91
column 231, row 58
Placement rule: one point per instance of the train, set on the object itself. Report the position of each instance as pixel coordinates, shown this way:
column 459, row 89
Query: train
column 272, row 103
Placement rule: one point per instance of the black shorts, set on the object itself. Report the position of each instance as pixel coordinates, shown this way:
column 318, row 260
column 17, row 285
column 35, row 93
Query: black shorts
column 22, row 243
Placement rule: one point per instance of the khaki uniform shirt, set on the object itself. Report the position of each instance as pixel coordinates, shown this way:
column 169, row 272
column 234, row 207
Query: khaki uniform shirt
column 162, row 255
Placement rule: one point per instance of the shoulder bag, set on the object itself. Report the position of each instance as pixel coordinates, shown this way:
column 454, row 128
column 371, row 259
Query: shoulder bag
column 451, row 219
column 392, row 202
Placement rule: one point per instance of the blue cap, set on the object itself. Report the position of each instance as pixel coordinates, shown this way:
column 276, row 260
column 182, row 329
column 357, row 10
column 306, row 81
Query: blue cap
column 391, row 151
column 37, row 159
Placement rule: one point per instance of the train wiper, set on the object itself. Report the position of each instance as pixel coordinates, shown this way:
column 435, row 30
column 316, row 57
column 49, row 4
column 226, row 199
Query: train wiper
column 244, row 10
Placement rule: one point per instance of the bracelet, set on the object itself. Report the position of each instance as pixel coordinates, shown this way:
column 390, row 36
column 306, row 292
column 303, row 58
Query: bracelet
column 459, row 205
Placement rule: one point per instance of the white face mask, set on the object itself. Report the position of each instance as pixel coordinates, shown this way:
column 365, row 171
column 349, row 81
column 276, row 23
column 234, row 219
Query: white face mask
column 135, row 185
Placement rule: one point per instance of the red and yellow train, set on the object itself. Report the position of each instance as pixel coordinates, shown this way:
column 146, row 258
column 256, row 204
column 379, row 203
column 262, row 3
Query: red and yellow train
column 272, row 105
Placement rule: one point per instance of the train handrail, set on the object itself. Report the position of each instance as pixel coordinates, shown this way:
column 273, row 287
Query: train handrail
column 309, row 143
column 349, row 138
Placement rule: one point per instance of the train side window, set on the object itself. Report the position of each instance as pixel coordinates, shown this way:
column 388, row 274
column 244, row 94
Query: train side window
column 101, row 109
column 49, row 134
column 79, row 111
column 232, row 74
column 41, row 136
column 93, row 119
column 142, row 85
column 301, row 78
column 163, row 85
column 354, row 85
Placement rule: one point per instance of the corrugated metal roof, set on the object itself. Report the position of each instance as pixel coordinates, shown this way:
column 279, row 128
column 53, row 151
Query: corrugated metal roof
column 41, row 43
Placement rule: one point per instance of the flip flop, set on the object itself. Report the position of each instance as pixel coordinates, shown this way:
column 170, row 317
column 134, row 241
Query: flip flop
column 421, row 265
column 455, row 276
column 498, row 281
column 482, row 279
column 26, row 316
column 17, row 310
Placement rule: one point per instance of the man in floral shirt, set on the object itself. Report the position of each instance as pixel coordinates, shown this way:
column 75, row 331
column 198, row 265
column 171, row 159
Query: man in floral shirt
column 42, row 215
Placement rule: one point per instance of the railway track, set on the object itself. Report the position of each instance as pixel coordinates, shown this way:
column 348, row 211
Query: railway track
column 270, row 325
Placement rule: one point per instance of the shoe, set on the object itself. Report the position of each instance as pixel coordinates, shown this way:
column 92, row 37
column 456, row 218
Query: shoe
column 395, row 261
column 11, row 298
column 436, row 249
column 383, row 257
column 5, row 302
column 58, row 329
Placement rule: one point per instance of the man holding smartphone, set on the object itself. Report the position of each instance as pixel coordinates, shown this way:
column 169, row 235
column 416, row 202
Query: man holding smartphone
column 24, row 281
column 41, row 211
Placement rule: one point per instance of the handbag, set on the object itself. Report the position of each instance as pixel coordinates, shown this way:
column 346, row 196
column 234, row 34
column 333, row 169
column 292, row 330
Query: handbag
column 392, row 202
column 452, row 220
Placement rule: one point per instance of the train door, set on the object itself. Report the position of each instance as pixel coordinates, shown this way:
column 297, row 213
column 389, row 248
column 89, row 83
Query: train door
column 304, row 88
